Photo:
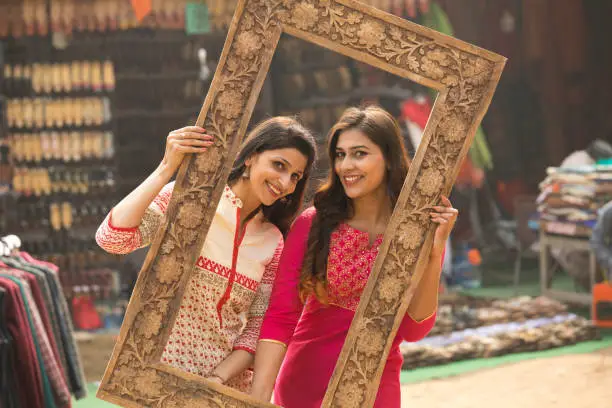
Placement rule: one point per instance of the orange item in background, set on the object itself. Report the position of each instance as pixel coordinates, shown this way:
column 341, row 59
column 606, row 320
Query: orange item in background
column 141, row 8
column 601, row 312
column 474, row 257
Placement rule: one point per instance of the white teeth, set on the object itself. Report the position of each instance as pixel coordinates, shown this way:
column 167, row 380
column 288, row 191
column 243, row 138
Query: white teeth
column 274, row 189
column 351, row 179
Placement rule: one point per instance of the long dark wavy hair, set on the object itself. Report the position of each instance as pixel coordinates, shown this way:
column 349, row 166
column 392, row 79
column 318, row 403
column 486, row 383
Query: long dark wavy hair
column 279, row 132
column 332, row 204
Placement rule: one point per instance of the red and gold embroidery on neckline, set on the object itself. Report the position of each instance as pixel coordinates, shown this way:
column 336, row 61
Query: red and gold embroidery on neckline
column 351, row 258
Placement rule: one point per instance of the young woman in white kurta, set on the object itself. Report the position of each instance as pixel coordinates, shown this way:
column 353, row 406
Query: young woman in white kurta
column 217, row 328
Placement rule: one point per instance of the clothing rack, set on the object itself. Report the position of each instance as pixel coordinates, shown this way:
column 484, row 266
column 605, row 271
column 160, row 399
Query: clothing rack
column 39, row 363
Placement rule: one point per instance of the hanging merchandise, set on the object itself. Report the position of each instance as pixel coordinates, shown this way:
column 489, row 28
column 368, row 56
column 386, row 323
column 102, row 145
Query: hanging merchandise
column 5, row 166
column 480, row 153
column 197, row 18
column 43, row 368
column 141, row 8
column 84, row 312
column 415, row 114
column 205, row 70
column 61, row 140
column 28, row 18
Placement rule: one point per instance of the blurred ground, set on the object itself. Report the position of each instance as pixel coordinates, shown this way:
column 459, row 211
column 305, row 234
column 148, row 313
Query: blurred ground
column 570, row 381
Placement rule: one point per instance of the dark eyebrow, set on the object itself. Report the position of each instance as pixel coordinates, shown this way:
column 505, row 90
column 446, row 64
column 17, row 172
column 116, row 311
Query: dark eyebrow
column 288, row 163
column 283, row 160
column 354, row 147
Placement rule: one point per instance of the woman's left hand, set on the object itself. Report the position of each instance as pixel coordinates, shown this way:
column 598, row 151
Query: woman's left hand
column 445, row 216
column 215, row 379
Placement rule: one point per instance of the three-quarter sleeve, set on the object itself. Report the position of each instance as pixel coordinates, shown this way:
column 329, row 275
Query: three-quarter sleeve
column 125, row 240
column 285, row 306
column 250, row 334
column 412, row 330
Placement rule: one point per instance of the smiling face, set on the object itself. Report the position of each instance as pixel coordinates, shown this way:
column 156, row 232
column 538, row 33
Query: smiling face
column 274, row 174
column 360, row 164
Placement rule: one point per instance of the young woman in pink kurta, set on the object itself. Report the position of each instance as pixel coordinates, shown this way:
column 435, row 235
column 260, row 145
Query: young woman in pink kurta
column 216, row 331
column 328, row 256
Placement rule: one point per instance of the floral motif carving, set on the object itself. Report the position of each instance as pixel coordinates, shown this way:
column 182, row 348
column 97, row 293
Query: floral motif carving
column 190, row 215
column 410, row 234
column 232, row 104
column 371, row 342
column 390, row 289
column 430, row 182
column 351, row 394
column 371, row 33
column 168, row 268
column 305, row 16
column 452, row 129
column 247, row 44
column 466, row 77
column 151, row 324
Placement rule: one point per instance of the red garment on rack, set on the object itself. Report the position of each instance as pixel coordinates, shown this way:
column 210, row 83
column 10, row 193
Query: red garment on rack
column 84, row 312
column 416, row 112
column 44, row 312
column 48, row 354
column 26, row 361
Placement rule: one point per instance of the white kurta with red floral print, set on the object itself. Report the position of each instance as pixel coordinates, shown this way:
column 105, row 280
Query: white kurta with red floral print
column 229, row 291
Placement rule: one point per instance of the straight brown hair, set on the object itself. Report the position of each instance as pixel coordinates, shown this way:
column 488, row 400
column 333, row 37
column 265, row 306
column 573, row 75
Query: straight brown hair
column 332, row 204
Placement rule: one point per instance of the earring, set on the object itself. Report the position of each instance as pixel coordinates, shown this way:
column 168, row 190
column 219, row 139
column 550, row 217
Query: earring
column 247, row 172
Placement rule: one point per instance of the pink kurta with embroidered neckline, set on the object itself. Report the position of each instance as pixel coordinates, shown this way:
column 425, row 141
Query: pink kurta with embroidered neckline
column 314, row 333
column 225, row 301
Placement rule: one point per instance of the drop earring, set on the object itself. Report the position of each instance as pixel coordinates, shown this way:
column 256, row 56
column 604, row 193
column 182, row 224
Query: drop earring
column 247, row 172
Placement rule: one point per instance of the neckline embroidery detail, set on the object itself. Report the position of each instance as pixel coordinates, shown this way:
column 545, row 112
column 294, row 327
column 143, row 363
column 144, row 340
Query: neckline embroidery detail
column 231, row 196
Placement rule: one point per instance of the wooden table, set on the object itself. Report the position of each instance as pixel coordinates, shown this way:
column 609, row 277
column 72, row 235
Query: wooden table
column 548, row 241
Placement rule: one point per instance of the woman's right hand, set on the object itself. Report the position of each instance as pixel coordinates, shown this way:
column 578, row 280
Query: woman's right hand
column 190, row 139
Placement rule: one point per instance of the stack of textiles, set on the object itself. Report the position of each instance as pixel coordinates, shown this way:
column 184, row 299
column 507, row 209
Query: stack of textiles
column 39, row 362
column 499, row 339
column 467, row 312
column 570, row 197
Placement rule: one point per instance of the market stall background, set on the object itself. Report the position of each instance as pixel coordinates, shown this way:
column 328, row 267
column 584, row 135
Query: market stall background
column 89, row 90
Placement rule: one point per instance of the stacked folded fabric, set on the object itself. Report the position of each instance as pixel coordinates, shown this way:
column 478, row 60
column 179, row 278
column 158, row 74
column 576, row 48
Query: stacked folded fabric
column 570, row 197
column 468, row 312
column 499, row 339
column 470, row 327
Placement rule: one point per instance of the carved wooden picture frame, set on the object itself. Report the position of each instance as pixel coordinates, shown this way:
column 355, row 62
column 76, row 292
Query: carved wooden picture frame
column 464, row 76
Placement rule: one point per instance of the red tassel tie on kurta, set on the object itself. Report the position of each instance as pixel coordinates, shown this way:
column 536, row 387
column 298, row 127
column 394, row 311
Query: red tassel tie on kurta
column 238, row 236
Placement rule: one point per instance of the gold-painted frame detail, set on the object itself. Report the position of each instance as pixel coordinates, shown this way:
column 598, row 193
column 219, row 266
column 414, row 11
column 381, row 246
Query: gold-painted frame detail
column 465, row 77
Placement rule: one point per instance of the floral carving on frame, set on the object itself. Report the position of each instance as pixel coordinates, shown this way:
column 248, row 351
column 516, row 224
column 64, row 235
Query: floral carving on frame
column 464, row 76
